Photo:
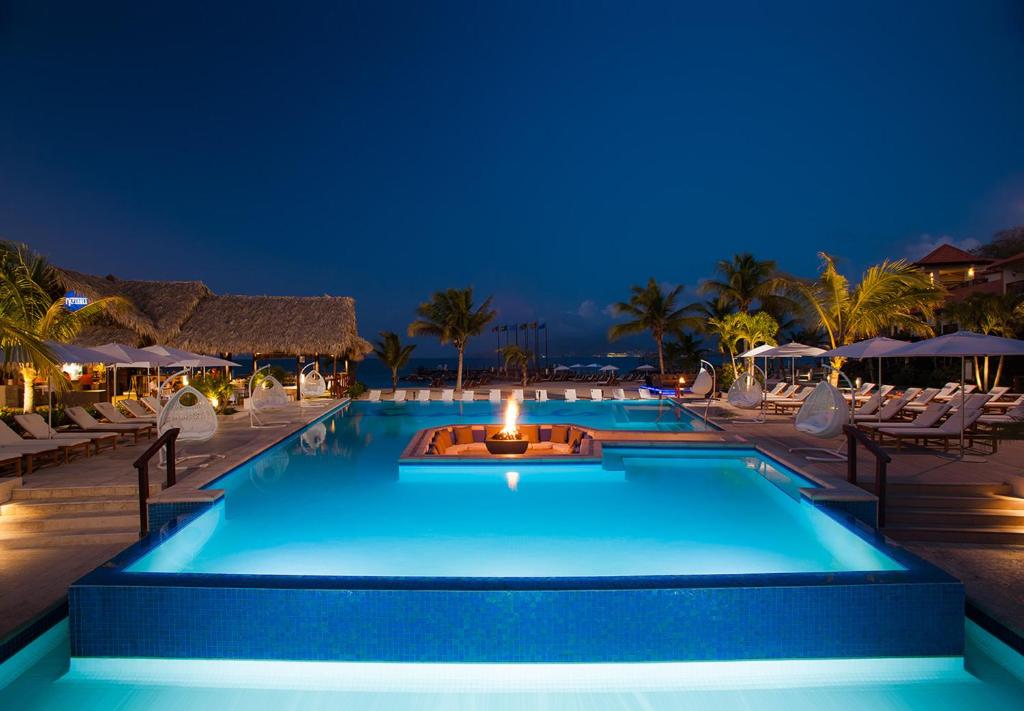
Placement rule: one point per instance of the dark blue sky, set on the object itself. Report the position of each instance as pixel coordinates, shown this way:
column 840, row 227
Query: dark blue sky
column 550, row 154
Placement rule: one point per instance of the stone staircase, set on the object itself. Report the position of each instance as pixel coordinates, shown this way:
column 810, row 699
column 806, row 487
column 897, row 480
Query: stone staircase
column 955, row 513
column 71, row 516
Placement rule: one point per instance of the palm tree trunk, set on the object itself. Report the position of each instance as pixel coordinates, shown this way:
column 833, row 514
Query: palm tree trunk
column 28, row 374
column 394, row 379
column 661, row 355
column 999, row 373
column 524, row 375
column 458, row 376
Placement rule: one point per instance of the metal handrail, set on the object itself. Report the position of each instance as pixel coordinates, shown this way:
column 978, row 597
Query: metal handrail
column 167, row 439
column 882, row 459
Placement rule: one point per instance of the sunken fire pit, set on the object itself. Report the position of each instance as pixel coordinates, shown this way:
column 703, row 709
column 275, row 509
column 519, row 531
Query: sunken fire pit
column 508, row 440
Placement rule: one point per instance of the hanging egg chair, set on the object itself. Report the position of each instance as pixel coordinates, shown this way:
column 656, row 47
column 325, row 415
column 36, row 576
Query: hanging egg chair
column 823, row 413
column 745, row 392
column 703, row 383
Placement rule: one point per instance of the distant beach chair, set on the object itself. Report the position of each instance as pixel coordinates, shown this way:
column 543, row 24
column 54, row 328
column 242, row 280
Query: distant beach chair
column 152, row 404
column 13, row 443
column 468, row 395
column 596, row 394
column 422, row 396
column 374, row 396
column 137, row 409
column 645, row 394
column 541, row 395
column 518, row 394
column 87, row 423
column 447, row 395
column 570, row 394
column 776, row 389
column 111, row 413
column 399, row 396
column 38, row 429
column 494, row 395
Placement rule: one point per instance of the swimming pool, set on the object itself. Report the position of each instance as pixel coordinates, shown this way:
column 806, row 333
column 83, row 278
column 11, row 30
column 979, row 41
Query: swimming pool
column 326, row 547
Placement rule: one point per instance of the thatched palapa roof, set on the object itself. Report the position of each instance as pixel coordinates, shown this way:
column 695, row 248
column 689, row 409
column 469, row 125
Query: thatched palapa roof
column 188, row 315
column 273, row 324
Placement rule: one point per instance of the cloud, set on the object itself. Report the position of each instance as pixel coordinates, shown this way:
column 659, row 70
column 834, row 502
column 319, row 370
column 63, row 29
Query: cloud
column 587, row 309
column 925, row 243
column 609, row 311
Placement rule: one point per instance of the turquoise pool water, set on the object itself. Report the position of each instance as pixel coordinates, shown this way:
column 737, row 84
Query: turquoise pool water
column 334, row 501
column 42, row 676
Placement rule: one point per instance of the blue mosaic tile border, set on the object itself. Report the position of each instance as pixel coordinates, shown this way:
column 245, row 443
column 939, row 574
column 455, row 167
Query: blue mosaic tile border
column 160, row 514
column 574, row 625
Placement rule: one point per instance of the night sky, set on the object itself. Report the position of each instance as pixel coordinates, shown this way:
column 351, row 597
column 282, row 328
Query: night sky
column 550, row 154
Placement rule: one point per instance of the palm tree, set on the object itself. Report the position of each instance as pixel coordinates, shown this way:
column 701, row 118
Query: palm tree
column 994, row 314
column 28, row 308
column 394, row 355
column 745, row 280
column 685, row 351
column 652, row 310
column 450, row 316
column 892, row 295
column 515, row 357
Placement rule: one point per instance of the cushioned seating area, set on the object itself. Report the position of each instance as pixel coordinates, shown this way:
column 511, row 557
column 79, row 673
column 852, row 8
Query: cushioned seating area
column 469, row 439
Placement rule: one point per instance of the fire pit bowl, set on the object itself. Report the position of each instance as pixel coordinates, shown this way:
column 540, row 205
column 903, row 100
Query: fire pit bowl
column 506, row 446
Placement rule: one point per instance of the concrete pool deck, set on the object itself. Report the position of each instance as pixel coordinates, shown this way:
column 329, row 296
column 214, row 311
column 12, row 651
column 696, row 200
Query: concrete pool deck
column 33, row 578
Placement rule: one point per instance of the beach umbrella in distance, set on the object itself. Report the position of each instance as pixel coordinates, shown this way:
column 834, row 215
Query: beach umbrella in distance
column 67, row 353
column 576, row 365
column 793, row 350
column 878, row 347
column 608, row 368
column 962, row 345
column 123, row 356
column 593, row 365
column 562, row 367
column 759, row 351
column 645, row 366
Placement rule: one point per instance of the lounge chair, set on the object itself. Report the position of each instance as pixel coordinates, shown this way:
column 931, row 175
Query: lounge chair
column 468, row 395
column 87, row 423
column 645, row 394
column 1012, row 416
column 948, row 430
column 447, row 395
column 569, row 394
column 776, row 389
column 923, row 399
column 596, row 394
column 152, row 403
column 541, row 395
column 422, row 396
column 110, row 412
column 137, row 410
column 932, row 414
column 870, row 406
column 1005, row 404
column 373, row 396
column 786, row 393
column 12, row 443
column 399, row 396
column 38, row 429
column 997, row 392
column 518, row 394
column 619, row 394
column 494, row 395
column 863, row 392
column 954, row 394
column 889, row 410
column 795, row 402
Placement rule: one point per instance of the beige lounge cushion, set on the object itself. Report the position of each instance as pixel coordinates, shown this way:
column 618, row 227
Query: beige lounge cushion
column 559, row 433
column 561, row 448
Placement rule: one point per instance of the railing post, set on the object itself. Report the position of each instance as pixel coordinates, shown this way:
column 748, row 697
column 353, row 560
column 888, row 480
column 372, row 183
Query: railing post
column 851, row 455
column 172, row 475
column 143, row 468
column 880, row 489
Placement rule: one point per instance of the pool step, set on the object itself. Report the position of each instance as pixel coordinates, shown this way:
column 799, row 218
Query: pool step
column 50, row 507
column 11, row 525
column 79, row 492
column 897, row 490
column 1003, row 535
column 957, row 518
column 49, row 539
column 956, row 502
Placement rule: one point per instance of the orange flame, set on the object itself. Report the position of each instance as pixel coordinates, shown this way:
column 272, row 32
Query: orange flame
column 511, row 415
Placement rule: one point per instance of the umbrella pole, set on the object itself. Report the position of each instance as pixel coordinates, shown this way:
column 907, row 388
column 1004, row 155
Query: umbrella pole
column 963, row 399
column 49, row 408
column 879, row 388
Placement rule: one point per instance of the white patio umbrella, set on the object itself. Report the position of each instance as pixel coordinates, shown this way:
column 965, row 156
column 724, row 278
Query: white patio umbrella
column 609, row 368
column 759, row 351
column 562, row 367
column 186, row 359
column 878, row 347
column 123, row 356
column 67, row 353
column 645, row 366
column 576, row 365
column 962, row 345
column 593, row 365
column 793, row 350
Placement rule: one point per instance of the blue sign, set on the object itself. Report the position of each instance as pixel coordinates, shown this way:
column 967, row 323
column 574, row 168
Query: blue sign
column 73, row 301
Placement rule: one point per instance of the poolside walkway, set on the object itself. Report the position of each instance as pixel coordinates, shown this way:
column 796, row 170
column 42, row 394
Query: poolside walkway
column 34, row 577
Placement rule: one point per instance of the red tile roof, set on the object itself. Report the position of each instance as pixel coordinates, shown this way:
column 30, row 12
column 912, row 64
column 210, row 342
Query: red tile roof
column 1015, row 259
column 948, row 254
column 985, row 287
